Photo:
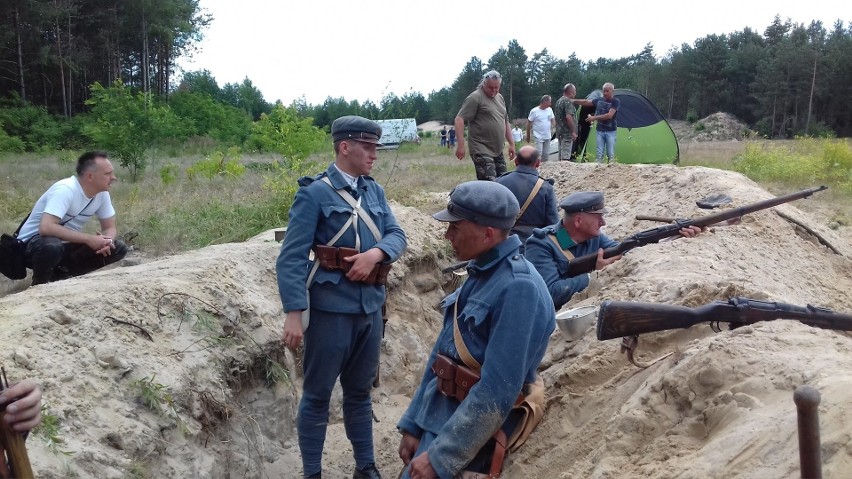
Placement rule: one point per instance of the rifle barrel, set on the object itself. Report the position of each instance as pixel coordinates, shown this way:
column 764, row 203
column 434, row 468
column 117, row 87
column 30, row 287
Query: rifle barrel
column 586, row 264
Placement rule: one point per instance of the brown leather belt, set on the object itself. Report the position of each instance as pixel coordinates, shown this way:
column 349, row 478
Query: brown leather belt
column 331, row 258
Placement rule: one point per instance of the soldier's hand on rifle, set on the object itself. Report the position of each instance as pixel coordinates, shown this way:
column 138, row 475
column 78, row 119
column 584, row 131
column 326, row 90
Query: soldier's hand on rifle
column 363, row 263
column 292, row 334
column 601, row 263
column 23, row 405
column 421, row 468
column 408, row 446
column 690, row 231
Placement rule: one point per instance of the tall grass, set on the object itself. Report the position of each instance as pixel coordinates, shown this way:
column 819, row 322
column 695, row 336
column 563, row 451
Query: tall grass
column 166, row 211
column 165, row 217
column 802, row 162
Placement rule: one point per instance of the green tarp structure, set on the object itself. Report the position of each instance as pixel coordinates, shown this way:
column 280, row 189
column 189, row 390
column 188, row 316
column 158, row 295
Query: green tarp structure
column 643, row 136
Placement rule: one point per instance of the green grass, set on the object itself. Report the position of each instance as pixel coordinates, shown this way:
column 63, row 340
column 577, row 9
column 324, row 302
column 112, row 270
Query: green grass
column 171, row 212
column 806, row 161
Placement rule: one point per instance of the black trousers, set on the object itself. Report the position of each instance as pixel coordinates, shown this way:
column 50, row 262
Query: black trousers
column 51, row 259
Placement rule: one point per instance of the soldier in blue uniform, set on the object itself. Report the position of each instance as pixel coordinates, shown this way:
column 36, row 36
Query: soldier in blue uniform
column 504, row 317
column 524, row 183
column 578, row 234
column 344, row 332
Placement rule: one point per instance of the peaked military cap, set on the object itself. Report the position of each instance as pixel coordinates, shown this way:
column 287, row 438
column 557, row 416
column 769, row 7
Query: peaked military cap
column 584, row 202
column 485, row 203
column 352, row 127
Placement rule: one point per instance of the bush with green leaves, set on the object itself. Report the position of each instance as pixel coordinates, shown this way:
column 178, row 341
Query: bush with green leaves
column 127, row 124
column 37, row 129
column 11, row 144
column 218, row 164
column 202, row 115
column 169, row 173
column 284, row 132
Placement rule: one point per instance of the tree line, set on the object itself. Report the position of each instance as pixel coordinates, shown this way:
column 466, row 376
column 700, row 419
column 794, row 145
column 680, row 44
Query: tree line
column 68, row 68
column 790, row 80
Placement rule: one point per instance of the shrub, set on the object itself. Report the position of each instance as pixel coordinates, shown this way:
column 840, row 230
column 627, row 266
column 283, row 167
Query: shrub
column 218, row 164
column 11, row 144
column 169, row 173
column 282, row 131
column 691, row 117
column 127, row 125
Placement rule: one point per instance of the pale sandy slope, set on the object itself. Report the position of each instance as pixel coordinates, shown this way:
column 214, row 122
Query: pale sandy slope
column 721, row 406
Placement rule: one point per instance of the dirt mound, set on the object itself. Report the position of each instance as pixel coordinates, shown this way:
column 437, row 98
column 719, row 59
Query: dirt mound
column 721, row 406
column 716, row 127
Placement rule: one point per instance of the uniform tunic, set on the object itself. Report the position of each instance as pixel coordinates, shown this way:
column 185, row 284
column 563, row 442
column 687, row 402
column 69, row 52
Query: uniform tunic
column 542, row 210
column 344, row 335
column 552, row 264
column 506, row 317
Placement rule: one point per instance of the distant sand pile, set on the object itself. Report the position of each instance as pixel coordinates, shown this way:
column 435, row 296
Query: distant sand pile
column 716, row 127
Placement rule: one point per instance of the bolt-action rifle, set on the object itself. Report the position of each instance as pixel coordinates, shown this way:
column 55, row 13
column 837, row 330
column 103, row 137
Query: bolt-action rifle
column 586, row 264
column 618, row 319
column 626, row 319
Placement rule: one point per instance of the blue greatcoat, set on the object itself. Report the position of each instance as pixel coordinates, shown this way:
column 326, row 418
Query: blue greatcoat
column 344, row 336
column 505, row 317
column 542, row 211
column 317, row 214
column 552, row 264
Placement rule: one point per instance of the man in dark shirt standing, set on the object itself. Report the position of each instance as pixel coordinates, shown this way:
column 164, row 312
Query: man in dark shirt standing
column 606, row 109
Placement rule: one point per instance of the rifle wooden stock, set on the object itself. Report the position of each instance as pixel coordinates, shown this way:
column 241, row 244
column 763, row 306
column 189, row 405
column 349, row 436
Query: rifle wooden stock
column 624, row 318
column 14, row 445
column 586, row 264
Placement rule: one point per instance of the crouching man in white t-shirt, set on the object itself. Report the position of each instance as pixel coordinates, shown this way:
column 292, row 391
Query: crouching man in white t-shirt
column 56, row 246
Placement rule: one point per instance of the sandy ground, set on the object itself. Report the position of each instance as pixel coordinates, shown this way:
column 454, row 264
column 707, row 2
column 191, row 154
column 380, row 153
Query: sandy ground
column 721, row 406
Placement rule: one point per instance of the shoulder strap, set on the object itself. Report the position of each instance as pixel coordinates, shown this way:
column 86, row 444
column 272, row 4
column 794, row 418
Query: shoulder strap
column 559, row 247
column 534, row 192
column 466, row 357
column 21, row 225
column 80, row 212
column 356, row 208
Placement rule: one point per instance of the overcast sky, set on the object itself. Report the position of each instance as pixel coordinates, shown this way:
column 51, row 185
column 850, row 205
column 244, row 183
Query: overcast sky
column 366, row 49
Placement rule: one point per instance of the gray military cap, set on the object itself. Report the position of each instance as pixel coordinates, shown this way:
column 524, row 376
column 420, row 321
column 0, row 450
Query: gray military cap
column 356, row 128
column 485, row 203
column 584, row 202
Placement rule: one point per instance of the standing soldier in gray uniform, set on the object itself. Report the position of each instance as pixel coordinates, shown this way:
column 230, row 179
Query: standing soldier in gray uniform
column 485, row 112
column 343, row 216
column 495, row 332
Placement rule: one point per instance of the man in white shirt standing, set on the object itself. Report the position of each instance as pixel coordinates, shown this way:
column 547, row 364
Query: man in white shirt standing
column 541, row 122
column 56, row 246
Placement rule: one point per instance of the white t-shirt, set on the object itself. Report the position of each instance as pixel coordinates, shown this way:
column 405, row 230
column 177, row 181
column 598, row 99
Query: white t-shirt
column 66, row 200
column 517, row 134
column 541, row 122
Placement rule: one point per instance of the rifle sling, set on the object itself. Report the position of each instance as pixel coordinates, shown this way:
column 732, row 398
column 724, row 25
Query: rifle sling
column 530, row 198
column 464, row 353
column 565, row 252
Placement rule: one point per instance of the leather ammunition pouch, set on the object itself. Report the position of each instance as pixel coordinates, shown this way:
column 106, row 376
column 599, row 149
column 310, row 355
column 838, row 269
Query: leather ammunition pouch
column 454, row 380
column 331, row 258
